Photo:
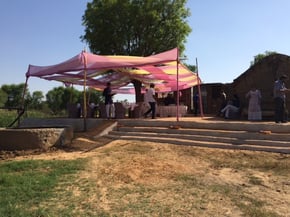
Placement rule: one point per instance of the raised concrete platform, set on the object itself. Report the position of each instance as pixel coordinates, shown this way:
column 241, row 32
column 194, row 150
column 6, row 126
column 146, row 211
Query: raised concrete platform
column 240, row 134
column 193, row 122
column 208, row 132
column 77, row 124
column 43, row 133
column 212, row 123
column 34, row 138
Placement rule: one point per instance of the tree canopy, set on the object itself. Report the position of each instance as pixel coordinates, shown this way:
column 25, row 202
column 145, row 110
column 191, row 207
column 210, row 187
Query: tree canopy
column 135, row 27
column 13, row 94
column 259, row 57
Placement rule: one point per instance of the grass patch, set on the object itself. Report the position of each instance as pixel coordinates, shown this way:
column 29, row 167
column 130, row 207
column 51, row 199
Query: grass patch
column 136, row 179
column 7, row 117
column 26, row 184
column 253, row 207
column 255, row 180
column 248, row 205
column 277, row 163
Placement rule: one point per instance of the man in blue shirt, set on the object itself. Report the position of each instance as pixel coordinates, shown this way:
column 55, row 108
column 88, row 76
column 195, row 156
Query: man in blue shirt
column 280, row 100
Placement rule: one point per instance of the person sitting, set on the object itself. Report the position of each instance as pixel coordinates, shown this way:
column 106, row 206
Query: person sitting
column 222, row 102
column 169, row 100
column 233, row 106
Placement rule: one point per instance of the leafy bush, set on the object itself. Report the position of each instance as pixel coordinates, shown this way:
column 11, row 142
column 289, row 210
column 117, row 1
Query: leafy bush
column 8, row 116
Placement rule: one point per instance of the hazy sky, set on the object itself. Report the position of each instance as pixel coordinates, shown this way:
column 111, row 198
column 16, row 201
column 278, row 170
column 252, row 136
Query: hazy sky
column 225, row 37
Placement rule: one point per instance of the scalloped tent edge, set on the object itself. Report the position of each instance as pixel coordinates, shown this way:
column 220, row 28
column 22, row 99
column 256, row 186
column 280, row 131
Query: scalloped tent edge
column 96, row 70
column 91, row 70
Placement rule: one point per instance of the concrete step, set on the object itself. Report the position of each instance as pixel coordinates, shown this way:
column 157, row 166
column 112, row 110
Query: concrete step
column 232, row 135
column 220, row 139
column 285, row 150
column 228, row 134
column 205, row 132
column 203, row 123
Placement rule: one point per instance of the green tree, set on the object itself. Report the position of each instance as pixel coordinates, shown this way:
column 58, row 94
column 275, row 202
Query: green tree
column 54, row 99
column 71, row 96
column 3, row 98
column 59, row 98
column 35, row 101
column 94, row 96
column 135, row 27
column 259, row 57
column 191, row 67
column 14, row 94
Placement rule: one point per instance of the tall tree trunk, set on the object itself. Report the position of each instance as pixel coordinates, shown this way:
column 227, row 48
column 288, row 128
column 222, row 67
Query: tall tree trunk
column 137, row 86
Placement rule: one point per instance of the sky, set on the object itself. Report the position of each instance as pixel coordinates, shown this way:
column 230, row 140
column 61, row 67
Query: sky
column 226, row 36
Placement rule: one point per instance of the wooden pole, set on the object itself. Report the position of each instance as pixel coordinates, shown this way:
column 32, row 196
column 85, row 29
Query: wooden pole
column 85, row 95
column 23, row 94
column 199, row 91
column 177, row 87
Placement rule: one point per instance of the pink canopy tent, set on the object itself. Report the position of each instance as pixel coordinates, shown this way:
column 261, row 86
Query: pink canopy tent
column 87, row 69
column 96, row 70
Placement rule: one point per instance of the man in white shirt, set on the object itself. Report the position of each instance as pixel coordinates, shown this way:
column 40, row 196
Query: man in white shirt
column 110, row 107
column 150, row 97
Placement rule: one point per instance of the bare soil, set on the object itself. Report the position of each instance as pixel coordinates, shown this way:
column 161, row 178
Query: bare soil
column 118, row 163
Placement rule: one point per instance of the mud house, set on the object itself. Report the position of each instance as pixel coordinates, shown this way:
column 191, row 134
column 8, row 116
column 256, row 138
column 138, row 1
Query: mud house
column 262, row 75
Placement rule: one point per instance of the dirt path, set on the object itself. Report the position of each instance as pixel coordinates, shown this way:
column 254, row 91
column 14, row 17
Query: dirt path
column 128, row 163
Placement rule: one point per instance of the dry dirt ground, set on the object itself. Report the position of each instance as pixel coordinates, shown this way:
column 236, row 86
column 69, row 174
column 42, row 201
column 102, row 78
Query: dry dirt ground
column 126, row 163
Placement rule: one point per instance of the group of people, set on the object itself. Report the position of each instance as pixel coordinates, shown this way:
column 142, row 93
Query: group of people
column 149, row 97
column 227, row 106
column 234, row 106
column 254, row 106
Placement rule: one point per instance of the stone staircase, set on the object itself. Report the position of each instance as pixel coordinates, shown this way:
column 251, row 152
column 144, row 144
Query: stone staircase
column 203, row 132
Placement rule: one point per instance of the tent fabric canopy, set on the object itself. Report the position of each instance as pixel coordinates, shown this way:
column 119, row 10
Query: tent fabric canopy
column 96, row 70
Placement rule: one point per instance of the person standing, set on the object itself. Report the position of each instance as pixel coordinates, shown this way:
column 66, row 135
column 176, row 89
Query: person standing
column 150, row 96
column 280, row 99
column 79, row 110
column 110, row 108
column 196, row 103
column 145, row 99
column 254, row 107
column 145, row 104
